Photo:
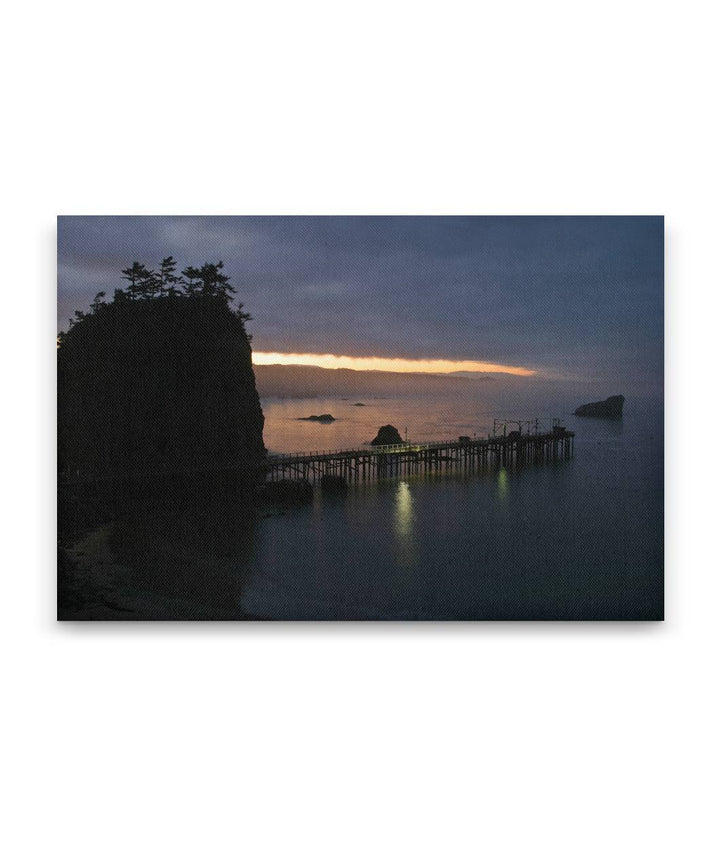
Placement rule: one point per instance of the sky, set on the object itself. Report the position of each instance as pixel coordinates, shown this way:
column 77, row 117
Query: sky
column 578, row 298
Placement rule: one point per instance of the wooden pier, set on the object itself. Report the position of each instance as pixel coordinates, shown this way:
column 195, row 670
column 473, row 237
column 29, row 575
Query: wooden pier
column 462, row 455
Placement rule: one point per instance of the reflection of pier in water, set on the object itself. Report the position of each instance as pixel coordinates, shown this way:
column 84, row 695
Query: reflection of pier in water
column 465, row 455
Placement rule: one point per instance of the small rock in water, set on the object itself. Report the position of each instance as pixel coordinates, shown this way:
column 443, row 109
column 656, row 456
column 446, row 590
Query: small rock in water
column 324, row 417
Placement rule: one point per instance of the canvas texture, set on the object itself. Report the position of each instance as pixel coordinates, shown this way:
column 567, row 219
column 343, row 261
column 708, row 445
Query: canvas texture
column 360, row 418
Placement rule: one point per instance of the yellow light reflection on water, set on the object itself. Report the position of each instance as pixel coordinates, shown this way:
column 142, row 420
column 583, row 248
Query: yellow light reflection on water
column 403, row 510
column 403, row 524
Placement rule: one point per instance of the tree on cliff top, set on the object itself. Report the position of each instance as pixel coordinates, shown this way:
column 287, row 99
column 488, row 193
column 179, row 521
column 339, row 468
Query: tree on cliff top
column 159, row 378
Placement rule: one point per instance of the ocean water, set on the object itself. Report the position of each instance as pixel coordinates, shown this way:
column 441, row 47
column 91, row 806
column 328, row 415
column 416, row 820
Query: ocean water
column 421, row 418
column 575, row 539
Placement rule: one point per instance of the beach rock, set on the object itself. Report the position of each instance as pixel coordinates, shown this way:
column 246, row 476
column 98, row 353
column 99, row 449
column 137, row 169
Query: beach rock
column 388, row 435
column 324, row 417
column 333, row 484
column 611, row 408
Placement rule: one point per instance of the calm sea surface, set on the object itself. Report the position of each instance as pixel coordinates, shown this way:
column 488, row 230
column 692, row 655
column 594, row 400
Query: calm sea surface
column 570, row 540
column 573, row 539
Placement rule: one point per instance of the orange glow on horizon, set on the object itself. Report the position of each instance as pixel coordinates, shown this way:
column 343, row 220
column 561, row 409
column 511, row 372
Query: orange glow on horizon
column 385, row 364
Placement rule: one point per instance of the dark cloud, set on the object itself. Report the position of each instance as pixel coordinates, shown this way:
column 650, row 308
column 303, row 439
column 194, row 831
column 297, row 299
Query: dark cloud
column 581, row 295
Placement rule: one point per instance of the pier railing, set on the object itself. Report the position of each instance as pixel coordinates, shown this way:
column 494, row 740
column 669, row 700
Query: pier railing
column 367, row 450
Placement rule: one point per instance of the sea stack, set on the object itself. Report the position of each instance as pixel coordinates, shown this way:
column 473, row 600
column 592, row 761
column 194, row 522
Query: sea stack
column 158, row 386
column 611, row 408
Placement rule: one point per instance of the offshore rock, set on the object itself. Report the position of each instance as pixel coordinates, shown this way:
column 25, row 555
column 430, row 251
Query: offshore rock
column 324, row 417
column 388, row 435
column 611, row 408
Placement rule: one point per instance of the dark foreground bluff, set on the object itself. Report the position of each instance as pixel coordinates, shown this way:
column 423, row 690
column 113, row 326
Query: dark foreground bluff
column 157, row 386
column 611, row 408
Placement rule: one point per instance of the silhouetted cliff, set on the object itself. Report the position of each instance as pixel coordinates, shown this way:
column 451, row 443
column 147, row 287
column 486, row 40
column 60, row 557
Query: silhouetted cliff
column 158, row 383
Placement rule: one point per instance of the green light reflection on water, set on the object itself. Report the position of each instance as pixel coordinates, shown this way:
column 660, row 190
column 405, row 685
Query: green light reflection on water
column 503, row 485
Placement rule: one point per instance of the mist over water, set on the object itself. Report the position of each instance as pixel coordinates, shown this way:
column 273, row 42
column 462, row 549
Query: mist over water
column 568, row 540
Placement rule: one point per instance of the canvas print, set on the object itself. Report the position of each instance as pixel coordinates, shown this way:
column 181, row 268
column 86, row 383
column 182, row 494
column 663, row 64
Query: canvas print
column 360, row 418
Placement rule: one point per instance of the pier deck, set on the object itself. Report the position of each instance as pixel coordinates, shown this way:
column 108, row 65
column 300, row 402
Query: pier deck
column 408, row 458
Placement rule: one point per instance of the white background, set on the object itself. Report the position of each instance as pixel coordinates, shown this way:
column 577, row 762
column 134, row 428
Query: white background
column 347, row 739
